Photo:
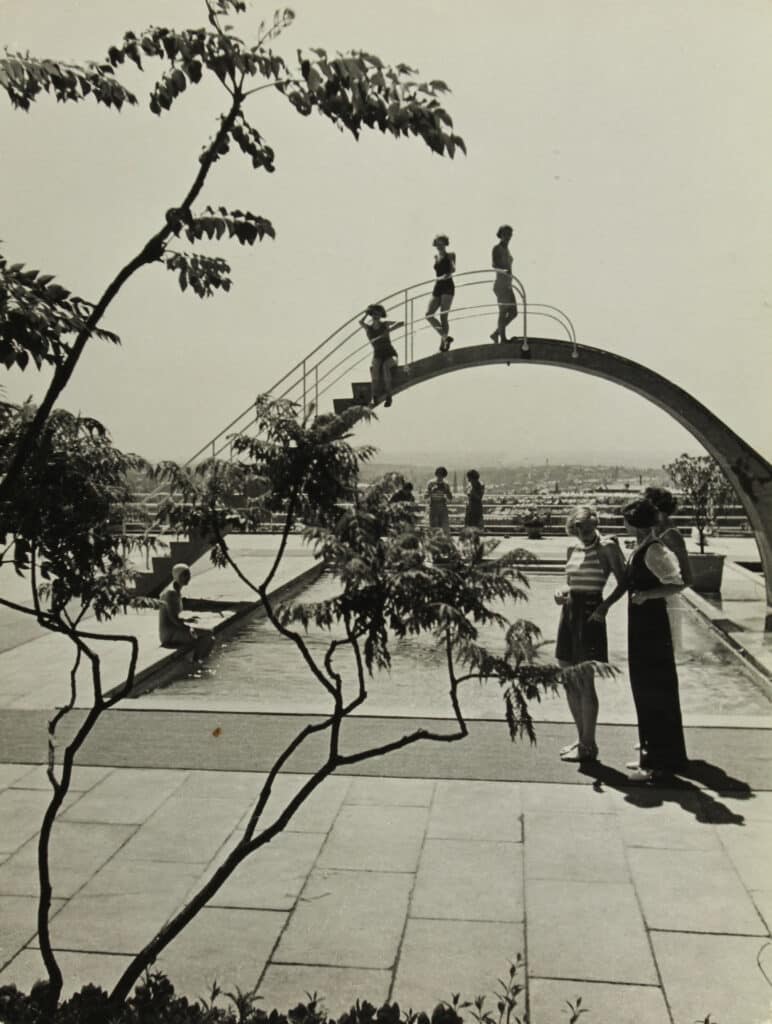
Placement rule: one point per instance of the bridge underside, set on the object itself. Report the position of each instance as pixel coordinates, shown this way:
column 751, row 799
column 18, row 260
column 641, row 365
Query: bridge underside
column 748, row 472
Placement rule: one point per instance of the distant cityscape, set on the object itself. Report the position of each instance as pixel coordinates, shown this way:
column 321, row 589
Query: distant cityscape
column 547, row 478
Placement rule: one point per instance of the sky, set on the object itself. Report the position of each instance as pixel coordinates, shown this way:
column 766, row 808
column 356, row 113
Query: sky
column 628, row 144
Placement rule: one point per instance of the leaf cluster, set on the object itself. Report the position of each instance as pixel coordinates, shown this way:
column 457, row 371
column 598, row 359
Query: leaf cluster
column 38, row 317
column 24, row 78
column 357, row 90
column 61, row 523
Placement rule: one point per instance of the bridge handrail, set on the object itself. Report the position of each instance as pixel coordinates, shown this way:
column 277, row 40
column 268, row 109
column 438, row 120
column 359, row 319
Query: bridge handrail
column 315, row 374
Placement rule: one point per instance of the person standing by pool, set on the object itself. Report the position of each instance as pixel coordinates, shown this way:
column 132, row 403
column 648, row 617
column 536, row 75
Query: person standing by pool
column 652, row 575
column 377, row 329
column 501, row 261
column 474, row 496
column 443, row 291
column 582, row 638
column 173, row 630
column 439, row 494
column 665, row 504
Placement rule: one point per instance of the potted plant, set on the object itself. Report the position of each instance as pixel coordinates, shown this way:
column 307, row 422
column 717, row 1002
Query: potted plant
column 705, row 488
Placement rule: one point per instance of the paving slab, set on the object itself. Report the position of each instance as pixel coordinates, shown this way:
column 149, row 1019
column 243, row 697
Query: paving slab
column 591, row 930
column 469, row 880
column 439, row 958
column 127, row 796
column 605, row 1004
column 21, row 812
column 387, row 792
column 77, row 851
column 271, row 878
column 666, row 827
column 123, row 905
column 111, row 923
column 762, row 899
column 228, row 946
column 476, row 810
column 590, row 851
column 122, row 876
column 9, row 773
column 713, row 974
column 347, row 919
column 284, row 986
column 185, row 830
column 694, row 891
column 375, row 838
column 756, row 806
column 316, row 814
column 83, row 778
column 18, row 924
column 558, row 798
column 78, row 969
column 750, row 851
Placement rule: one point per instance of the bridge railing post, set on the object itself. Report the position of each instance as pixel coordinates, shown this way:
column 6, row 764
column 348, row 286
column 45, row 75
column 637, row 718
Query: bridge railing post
column 406, row 317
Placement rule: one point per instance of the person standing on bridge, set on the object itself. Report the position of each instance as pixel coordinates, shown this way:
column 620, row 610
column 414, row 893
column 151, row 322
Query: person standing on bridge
column 582, row 638
column 377, row 328
column 444, row 290
column 501, row 261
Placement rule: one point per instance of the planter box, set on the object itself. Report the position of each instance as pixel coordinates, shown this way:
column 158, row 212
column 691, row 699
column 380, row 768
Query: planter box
column 707, row 571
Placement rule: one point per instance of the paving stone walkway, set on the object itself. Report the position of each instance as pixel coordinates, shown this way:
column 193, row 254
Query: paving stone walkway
column 407, row 889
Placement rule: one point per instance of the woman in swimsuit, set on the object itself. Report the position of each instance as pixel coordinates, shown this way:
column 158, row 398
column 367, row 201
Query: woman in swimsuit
column 501, row 261
column 377, row 329
column 443, row 292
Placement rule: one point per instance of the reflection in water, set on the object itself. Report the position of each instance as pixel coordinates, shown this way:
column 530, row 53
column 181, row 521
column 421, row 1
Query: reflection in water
column 259, row 666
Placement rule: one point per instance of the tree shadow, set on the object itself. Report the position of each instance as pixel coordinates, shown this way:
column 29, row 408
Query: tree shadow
column 681, row 790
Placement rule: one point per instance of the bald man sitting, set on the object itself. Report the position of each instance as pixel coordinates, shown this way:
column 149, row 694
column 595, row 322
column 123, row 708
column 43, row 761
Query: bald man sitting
column 173, row 630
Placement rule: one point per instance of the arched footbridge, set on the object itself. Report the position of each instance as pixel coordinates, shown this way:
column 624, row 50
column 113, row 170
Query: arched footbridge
column 333, row 367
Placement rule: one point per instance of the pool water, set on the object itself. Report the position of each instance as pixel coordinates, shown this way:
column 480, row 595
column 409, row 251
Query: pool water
column 258, row 670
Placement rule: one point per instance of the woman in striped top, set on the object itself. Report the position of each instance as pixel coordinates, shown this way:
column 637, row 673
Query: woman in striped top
column 589, row 564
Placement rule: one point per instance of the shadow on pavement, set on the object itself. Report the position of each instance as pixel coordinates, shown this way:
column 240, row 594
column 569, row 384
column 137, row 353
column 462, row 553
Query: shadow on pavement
column 681, row 790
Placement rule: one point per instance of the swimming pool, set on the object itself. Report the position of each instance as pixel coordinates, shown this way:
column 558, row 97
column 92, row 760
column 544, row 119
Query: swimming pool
column 258, row 670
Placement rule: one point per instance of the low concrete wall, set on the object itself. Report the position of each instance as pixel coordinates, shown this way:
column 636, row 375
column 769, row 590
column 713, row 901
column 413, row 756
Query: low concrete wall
column 163, row 671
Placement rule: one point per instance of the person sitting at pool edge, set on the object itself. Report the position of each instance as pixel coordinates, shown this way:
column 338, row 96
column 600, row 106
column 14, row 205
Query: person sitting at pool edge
column 173, row 630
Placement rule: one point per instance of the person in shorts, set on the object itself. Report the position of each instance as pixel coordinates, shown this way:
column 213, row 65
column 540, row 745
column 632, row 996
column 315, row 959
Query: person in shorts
column 501, row 261
column 377, row 329
column 443, row 291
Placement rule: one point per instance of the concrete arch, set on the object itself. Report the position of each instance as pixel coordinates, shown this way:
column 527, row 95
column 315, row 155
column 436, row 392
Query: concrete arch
column 749, row 473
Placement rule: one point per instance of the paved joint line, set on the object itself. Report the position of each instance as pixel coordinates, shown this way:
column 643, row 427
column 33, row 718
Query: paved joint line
column 762, row 937
column 270, row 958
column 526, row 982
column 398, row 954
column 747, row 890
column 648, row 931
column 595, row 981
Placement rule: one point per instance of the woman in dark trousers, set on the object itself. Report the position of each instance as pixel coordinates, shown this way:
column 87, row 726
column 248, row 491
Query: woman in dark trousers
column 474, row 496
column 443, row 291
column 652, row 575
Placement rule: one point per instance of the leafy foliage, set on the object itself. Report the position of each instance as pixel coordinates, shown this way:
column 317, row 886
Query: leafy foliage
column 38, row 317
column 24, row 78
column 204, row 274
column 155, row 1002
column 704, row 486
column 353, row 90
column 60, row 524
